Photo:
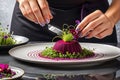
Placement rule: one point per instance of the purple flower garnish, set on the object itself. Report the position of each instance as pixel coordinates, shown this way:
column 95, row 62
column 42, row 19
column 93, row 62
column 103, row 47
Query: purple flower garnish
column 5, row 71
column 5, row 37
column 75, row 34
column 77, row 22
column 3, row 67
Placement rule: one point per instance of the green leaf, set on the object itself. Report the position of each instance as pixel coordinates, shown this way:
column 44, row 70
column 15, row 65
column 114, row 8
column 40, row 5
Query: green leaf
column 68, row 37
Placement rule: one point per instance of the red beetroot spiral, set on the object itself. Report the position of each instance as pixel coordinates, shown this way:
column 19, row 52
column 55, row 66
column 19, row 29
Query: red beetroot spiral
column 71, row 47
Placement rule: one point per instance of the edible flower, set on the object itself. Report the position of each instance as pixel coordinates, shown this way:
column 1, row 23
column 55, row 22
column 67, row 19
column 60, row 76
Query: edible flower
column 6, row 37
column 5, row 71
column 3, row 67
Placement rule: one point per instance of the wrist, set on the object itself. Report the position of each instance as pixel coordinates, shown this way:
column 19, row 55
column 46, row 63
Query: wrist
column 111, row 18
column 113, row 13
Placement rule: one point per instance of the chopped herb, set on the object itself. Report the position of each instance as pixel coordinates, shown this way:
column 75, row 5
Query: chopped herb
column 50, row 53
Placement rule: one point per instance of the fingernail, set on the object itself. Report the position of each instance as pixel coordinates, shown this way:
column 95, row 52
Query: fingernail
column 77, row 29
column 42, row 24
column 47, row 21
column 87, row 37
column 80, row 35
column 36, row 22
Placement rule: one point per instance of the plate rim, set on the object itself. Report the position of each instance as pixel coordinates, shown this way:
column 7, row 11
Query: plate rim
column 15, row 77
column 98, row 60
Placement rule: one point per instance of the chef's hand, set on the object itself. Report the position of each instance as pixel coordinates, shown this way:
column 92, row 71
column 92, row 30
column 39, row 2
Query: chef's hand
column 36, row 10
column 96, row 24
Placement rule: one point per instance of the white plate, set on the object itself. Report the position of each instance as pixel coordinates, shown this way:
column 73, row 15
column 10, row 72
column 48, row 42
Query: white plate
column 30, row 53
column 20, row 40
column 19, row 73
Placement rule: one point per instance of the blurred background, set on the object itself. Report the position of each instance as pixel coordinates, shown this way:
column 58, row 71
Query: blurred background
column 6, row 9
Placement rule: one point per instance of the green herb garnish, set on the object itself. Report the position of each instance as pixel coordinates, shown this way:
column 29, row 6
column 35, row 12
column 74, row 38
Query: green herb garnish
column 50, row 53
column 5, row 37
column 67, row 36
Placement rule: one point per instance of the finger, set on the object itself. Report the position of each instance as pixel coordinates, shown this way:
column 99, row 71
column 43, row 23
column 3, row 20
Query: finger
column 91, row 26
column 37, row 12
column 29, row 12
column 45, row 10
column 104, row 24
column 88, row 19
column 24, row 12
column 97, row 30
column 50, row 14
column 104, row 33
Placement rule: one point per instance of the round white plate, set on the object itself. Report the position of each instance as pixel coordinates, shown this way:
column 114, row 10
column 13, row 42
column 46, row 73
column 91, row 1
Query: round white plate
column 19, row 73
column 30, row 53
column 20, row 40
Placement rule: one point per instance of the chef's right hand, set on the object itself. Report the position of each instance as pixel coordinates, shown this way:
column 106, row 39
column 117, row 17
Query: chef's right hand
column 36, row 10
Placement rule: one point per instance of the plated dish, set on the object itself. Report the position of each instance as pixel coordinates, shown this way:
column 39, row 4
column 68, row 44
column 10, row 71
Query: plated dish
column 30, row 53
column 20, row 40
column 67, row 47
column 66, row 52
column 9, row 72
column 8, row 40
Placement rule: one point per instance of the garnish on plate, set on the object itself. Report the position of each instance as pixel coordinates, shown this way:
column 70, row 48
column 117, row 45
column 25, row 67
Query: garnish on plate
column 68, row 47
column 5, row 71
column 6, row 37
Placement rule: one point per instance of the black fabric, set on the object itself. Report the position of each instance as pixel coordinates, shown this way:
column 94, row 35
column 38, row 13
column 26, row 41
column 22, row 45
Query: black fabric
column 65, row 4
column 21, row 26
column 68, row 4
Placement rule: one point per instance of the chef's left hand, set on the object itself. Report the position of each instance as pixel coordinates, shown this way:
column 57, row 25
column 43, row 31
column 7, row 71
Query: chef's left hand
column 96, row 24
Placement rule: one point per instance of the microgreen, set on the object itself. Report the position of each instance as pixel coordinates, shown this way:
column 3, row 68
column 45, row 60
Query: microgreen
column 6, row 37
column 50, row 53
column 68, row 34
